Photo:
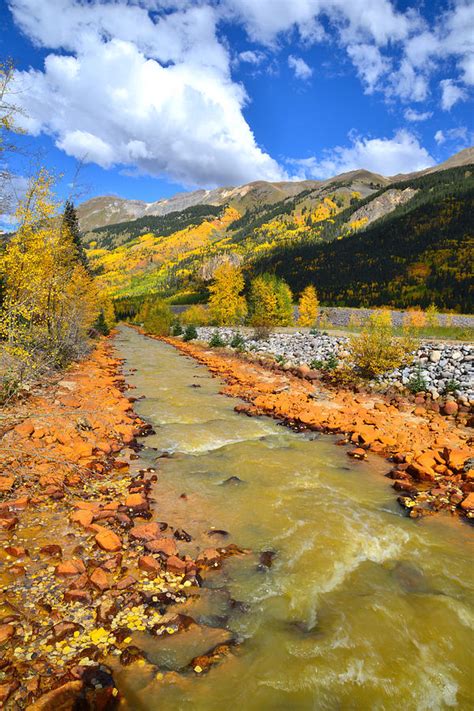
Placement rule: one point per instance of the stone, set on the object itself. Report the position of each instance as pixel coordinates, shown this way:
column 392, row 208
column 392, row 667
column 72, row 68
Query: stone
column 6, row 483
column 83, row 517
column 16, row 551
column 468, row 503
column 175, row 565
column 450, row 407
column 64, row 629
column 25, row 428
column 75, row 566
column 162, row 545
column 357, row 453
column 108, row 541
column 126, row 582
column 137, row 502
column 6, row 631
column 145, row 532
column 6, row 524
column 77, row 596
column 53, row 549
column 100, row 579
column 149, row 564
column 64, row 698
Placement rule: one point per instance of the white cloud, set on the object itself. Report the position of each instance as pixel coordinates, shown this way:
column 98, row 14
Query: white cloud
column 299, row 67
column 251, row 56
column 387, row 156
column 414, row 116
column 451, row 94
column 155, row 95
column 370, row 63
column 460, row 135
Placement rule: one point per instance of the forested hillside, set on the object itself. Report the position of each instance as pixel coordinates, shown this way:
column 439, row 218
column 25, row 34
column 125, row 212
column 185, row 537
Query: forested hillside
column 361, row 239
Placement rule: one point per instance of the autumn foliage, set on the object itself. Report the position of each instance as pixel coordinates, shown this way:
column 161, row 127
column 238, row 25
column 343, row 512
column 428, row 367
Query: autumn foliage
column 50, row 300
column 308, row 307
column 227, row 306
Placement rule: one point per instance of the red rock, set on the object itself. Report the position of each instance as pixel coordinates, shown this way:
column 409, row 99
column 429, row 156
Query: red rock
column 457, row 458
column 16, row 551
column 145, row 532
column 175, row 565
column 25, row 428
column 113, row 563
column 162, row 545
column 450, row 407
column 70, row 567
column 209, row 556
column 126, row 582
column 64, row 629
column 136, row 502
column 100, row 579
column 6, row 631
column 83, row 517
column 357, row 453
column 64, row 698
column 6, row 524
column 52, row 549
column 149, row 564
column 108, row 541
column 19, row 504
column 468, row 502
column 77, row 596
column 6, row 690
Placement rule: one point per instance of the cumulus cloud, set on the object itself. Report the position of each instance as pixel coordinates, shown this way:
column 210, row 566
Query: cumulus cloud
column 251, row 56
column 299, row 67
column 369, row 62
column 387, row 156
column 415, row 116
column 451, row 94
column 459, row 135
column 137, row 93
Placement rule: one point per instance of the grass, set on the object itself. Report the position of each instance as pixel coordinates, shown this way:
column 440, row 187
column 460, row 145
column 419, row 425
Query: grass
column 438, row 333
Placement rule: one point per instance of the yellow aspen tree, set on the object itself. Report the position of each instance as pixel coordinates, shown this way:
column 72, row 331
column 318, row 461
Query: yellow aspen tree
column 227, row 306
column 308, row 307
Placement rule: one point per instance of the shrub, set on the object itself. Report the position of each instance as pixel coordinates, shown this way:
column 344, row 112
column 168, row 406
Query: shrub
column 216, row 340
column 101, row 325
column 190, row 333
column 330, row 363
column 432, row 316
column 376, row 350
column 176, row 329
column 415, row 318
column 156, row 317
column 450, row 387
column 196, row 315
column 417, row 382
column 262, row 333
column 238, row 342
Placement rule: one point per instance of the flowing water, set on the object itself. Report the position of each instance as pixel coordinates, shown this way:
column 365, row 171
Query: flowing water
column 361, row 608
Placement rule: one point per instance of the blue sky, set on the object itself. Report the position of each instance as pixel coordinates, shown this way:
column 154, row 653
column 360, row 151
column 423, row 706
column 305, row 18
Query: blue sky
column 156, row 96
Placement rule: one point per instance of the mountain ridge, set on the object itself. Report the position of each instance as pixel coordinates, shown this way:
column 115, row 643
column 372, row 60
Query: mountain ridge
column 101, row 211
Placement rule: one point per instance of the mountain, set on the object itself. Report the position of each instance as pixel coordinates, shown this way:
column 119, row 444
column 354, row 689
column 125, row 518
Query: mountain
column 359, row 237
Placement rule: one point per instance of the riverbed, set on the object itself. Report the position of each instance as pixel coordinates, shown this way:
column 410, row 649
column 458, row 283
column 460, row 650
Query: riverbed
column 353, row 607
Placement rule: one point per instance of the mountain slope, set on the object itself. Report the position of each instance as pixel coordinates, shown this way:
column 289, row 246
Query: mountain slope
column 306, row 232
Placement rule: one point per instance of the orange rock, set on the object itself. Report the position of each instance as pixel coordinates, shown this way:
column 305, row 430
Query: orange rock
column 6, row 524
column 457, row 458
column 75, row 566
column 162, row 545
column 6, row 483
column 468, row 503
column 145, row 532
column 6, row 631
column 136, row 501
column 149, row 564
column 25, row 428
column 83, row 517
column 16, row 551
column 357, row 453
column 99, row 578
column 108, row 541
column 175, row 565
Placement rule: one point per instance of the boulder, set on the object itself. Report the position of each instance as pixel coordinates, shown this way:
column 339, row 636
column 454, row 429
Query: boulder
column 145, row 532
column 149, row 564
column 162, row 545
column 175, row 565
column 108, row 541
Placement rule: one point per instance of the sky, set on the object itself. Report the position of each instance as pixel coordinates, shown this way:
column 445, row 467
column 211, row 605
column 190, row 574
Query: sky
column 146, row 98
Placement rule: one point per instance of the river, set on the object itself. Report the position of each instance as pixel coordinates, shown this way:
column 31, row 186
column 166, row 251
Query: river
column 361, row 608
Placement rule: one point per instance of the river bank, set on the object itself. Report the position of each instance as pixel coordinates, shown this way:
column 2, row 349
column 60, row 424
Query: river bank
column 82, row 565
column 430, row 454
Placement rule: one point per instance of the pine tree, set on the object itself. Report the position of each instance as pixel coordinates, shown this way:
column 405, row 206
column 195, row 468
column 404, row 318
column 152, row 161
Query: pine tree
column 227, row 305
column 71, row 224
column 308, row 307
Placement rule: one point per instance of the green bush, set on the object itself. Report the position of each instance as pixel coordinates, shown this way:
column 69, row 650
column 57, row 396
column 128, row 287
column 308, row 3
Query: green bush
column 417, row 382
column 176, row 329
column 451, row 387
column 330, row 363
column 216, row 340
column 238, row 342
column 190, row 333
column 101, row 324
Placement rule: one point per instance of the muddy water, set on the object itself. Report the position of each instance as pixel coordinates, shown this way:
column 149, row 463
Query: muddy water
column 361, row 608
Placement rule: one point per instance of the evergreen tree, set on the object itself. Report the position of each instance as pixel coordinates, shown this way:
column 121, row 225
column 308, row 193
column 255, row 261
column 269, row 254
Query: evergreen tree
column 71, row 224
